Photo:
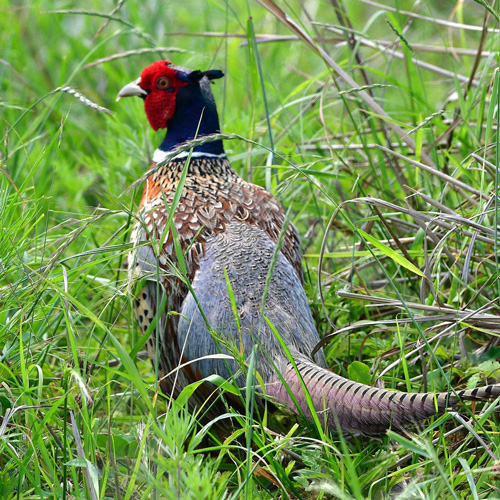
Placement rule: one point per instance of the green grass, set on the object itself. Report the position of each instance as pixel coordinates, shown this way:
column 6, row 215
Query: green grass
column 385, row 181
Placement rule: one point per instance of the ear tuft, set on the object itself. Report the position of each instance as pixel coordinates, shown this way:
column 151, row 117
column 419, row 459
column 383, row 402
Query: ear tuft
column 213, row 74
column 196, row 75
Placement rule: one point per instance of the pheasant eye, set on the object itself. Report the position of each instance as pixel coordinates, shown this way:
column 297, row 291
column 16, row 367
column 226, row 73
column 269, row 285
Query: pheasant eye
column 163, row 83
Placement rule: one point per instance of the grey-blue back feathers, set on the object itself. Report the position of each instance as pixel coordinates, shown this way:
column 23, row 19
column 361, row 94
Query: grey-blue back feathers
column 246, row 253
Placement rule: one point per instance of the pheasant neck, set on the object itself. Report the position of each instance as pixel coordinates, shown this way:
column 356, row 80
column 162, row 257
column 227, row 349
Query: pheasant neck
column 195, row 116
column 161, row 155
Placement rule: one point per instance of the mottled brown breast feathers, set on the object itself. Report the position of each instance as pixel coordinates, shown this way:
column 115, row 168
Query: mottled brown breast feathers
column 213, row 195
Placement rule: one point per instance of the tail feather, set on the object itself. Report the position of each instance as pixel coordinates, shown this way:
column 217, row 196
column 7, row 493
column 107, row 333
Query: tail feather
column 363, row 409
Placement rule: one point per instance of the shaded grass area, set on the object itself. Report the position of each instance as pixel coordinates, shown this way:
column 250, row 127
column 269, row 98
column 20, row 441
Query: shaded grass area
column 384, row 127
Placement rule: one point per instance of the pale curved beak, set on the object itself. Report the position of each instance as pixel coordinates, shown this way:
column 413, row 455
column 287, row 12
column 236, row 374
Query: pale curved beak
column 132, row 89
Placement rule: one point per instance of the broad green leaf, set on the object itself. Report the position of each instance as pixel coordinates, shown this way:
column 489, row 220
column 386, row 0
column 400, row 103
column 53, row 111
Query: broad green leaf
column 359, row 372
column 399, row 259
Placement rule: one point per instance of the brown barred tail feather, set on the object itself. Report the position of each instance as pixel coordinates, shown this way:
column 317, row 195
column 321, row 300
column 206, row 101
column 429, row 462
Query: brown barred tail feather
column 363, row 409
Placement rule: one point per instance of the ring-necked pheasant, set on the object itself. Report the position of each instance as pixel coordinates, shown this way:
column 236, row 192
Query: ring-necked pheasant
column 228, row 231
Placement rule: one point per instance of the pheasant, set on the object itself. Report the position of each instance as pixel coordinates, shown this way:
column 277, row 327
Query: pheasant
column 222, row 271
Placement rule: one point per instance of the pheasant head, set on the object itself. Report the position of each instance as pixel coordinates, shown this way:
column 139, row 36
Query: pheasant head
column 177, row 99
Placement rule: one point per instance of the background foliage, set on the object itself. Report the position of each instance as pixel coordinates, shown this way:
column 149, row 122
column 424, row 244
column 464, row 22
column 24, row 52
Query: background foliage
column 389, row 173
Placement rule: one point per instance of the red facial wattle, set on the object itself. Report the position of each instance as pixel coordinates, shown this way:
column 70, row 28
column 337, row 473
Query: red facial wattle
column 161, row 82
column 159, row 107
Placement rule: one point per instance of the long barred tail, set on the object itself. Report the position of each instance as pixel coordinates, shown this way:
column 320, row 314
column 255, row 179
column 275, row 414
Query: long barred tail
column 363, row 409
